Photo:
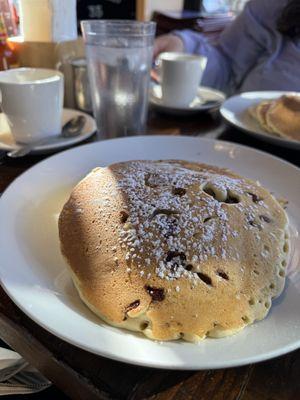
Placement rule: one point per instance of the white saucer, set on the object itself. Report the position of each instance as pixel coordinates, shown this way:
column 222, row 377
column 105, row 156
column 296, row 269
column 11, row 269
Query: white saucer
column 7, row 141
column 235, row 111
column 205, row 94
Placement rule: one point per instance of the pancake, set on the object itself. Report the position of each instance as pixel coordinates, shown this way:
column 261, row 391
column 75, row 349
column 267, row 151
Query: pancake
column 280, row 117
column 262, row 111
column 259, row 113
column 253, row 112
column 284, row 117
column 174, row 249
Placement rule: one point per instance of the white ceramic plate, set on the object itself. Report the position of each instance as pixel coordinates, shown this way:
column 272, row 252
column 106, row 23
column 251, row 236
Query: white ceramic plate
column 34, row 274
column 7, row 141
column 234, row 110
column 207, row 99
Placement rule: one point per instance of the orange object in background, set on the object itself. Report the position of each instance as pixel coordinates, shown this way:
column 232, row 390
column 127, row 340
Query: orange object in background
column 8, row 55
column 8, row 58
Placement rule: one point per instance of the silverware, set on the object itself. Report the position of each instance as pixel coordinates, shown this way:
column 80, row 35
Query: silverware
column 12, row 368
column 17, row 376
column 71, row 129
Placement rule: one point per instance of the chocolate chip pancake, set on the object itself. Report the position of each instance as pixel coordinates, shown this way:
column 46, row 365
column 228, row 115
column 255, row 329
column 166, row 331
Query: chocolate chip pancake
column 174, row 249
column 281, row 116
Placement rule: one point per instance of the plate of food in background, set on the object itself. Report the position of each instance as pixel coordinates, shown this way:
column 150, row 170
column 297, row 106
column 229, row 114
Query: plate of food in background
column 273, row 116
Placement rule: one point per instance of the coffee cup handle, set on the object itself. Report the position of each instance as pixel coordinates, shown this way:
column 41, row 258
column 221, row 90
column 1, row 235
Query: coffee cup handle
column 156, row 70
column 1, row 105
column 5, row 119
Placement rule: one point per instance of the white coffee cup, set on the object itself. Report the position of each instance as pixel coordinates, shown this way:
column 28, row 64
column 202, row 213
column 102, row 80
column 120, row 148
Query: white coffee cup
column 32, row 101
column 181, row 75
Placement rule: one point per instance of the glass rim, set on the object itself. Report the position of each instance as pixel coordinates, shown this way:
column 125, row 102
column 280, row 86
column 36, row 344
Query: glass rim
column 98, row 27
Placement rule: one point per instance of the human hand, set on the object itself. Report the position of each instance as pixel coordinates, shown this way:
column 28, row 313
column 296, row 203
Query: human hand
column 167, row 42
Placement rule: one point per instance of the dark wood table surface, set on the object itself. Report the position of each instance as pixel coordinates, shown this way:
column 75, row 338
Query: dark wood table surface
column 81, row 375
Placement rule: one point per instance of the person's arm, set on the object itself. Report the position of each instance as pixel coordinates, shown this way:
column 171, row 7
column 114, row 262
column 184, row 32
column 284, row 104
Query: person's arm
column 238, row 49
column 218, row 73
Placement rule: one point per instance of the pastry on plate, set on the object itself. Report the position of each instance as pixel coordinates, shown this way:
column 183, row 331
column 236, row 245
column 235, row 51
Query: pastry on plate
column 174, row 249
column 259, row 112
column 280, row 117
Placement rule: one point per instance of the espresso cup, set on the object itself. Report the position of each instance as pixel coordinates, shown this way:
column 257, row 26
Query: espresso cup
column 32, row 101
column 181, row 75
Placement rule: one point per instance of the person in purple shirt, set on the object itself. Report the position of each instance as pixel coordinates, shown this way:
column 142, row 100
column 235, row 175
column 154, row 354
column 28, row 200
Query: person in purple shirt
column 260, row 50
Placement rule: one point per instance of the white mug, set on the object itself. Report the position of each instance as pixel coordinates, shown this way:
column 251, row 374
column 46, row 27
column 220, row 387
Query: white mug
column 181, row 75
column 32, row 101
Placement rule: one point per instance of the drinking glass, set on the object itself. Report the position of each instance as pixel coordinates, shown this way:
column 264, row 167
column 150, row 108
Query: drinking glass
column 119, row 57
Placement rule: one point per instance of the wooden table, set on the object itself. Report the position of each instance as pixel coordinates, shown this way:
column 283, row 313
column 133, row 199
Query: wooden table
column 81, row 375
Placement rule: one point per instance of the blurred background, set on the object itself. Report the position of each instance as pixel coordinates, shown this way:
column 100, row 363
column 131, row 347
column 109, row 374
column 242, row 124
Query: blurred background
column 46, row 33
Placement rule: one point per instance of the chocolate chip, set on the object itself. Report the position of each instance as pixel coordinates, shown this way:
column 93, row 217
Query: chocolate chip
column 177, row 259
column 157, row 294
column 154, row 180
column 265, row 218
column 174, row 267
column 171, row 227
column 232, row 200
column 210, row 192
column 177, row 191
column 169, row 222
column 189, row 267
column 124, row 216
column 255, row 198
column 144, row 325
column 173, row 254
column 254, row 224
column 150, row 181
column 205, row 278
column 223, row 275
column 133, row 305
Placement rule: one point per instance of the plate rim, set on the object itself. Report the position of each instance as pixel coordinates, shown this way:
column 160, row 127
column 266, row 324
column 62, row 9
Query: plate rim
column 265, row 136
column 174, row 137
column 158, row 365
